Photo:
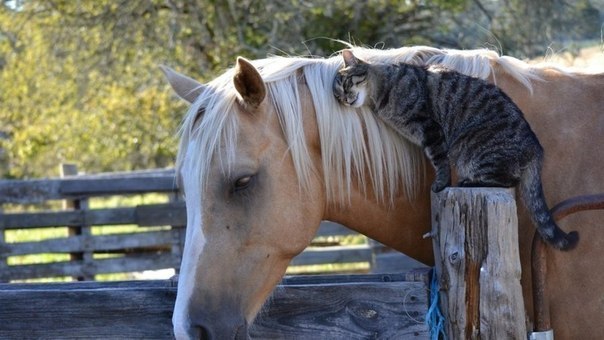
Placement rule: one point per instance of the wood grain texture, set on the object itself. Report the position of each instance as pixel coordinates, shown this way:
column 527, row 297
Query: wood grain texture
column 142, row 215
column 40, row 190
column 129, row 263
column 475, row 236
column 350, row 307
column 393, row 310
column 118, row 313
column 97, row 243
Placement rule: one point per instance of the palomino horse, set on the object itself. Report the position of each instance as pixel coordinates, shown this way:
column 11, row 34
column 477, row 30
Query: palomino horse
column 267, row 153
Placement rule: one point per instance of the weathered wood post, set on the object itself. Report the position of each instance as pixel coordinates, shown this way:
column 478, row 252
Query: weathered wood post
column 77, row 204
column 3, row 253
column 475, row 237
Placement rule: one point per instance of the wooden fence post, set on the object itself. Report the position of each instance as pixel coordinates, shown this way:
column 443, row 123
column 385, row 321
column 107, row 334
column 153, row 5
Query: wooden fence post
column 179, row 233
column 77, row 204
column 475, row 238
column 3, row 252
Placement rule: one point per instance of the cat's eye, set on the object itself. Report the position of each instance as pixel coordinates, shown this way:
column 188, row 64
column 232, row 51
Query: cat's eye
column 358, row 79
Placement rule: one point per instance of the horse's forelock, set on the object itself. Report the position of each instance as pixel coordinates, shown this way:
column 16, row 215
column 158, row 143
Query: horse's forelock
column 215, row 130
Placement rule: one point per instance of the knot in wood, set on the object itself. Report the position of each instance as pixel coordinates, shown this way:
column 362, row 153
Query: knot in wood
column 454, row 257
column 368, row 313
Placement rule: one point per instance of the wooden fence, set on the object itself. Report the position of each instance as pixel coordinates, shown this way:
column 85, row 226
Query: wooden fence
column 154, row 240
column 476, row 247
column 347, row 307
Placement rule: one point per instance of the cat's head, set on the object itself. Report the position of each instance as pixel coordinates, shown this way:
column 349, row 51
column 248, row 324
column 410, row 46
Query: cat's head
column 350, row 84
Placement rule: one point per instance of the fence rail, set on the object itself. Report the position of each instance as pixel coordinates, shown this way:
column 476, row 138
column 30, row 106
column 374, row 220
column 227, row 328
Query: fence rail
column 155, row 242
column 71, row 187
column 302, row 307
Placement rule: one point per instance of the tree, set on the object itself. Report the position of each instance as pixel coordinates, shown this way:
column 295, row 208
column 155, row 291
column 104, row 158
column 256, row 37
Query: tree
column 79, row 82
column 526, row 29
column 79, row 79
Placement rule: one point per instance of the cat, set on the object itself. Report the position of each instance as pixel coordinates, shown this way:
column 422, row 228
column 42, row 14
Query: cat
column 456, row 119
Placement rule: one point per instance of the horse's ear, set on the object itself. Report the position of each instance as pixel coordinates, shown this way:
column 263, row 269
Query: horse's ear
column 185, row 87
column 350, row 59
column 249, row 83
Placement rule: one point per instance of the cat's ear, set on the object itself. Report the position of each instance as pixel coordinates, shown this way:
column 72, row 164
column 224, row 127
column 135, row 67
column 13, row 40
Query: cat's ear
column 350, row 59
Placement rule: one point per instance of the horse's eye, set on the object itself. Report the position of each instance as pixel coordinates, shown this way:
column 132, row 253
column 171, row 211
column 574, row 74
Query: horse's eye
column 242, row 183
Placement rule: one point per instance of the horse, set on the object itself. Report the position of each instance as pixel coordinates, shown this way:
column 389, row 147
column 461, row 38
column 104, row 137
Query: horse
column 266, row 153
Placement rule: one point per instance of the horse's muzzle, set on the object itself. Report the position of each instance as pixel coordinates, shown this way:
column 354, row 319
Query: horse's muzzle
column 231, row 328
column 239, row 333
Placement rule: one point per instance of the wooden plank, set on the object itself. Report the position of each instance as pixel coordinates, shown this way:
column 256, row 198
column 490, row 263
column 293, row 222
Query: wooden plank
column 29, row 191
column 173, row 214
column 392, row 262
column 3, row 250
column 133, row 173
column 414, row 275
column 82, row 228
column 88, row 285
column 127, row 313
column 61, row 218
column 79, row 187
column 338, row 254
column 124, row 264
column 144, row 215
column 370, row 308
column 40, row 190
column 328, row 228
column 92, row 243
column 475, row 237
column 387, row 310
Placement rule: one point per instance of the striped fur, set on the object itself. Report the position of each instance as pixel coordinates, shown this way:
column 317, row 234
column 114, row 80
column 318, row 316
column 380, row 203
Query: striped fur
column 457, row 120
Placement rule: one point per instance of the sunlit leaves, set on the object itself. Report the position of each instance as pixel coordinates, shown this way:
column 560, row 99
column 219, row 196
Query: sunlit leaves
column 76, row 91
column 79, row 80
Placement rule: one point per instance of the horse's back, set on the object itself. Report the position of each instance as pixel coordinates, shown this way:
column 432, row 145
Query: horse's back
column 566, row 111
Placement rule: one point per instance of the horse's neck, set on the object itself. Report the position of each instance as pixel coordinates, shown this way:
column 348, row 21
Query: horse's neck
column 554, row 93
column 400, row 226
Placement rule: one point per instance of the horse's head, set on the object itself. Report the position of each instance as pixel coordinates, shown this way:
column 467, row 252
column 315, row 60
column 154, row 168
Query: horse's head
column 239, row 182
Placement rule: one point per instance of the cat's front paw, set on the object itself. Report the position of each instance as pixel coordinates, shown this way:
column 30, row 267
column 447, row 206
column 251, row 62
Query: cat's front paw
column 439, row 186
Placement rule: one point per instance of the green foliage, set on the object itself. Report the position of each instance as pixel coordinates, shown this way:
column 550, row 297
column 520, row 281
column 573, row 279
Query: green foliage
column 527, row 29
column 79, row 80
column 81, row 84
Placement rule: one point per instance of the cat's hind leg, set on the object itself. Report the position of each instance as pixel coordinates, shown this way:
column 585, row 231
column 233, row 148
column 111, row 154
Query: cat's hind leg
column 442, row 180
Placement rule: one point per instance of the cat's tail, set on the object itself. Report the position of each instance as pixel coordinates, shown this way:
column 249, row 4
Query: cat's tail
column 531, row 192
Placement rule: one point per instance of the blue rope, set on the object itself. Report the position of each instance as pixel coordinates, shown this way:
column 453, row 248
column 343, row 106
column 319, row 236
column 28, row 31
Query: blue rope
column 434, row 318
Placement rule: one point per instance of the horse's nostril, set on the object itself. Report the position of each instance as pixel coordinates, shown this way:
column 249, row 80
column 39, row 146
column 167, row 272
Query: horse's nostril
column 204, row 334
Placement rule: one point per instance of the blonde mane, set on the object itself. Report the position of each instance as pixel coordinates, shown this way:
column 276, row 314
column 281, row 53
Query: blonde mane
column 355, row 145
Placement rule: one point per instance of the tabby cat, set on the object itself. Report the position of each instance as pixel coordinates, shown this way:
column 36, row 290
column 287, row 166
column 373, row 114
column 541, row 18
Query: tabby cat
column 457, row 120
